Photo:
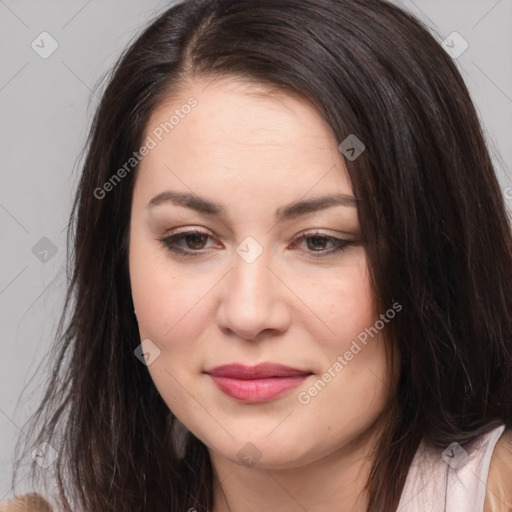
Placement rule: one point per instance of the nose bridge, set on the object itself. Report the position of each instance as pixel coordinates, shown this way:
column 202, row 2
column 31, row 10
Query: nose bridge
column 251, row 301
column 250, row 286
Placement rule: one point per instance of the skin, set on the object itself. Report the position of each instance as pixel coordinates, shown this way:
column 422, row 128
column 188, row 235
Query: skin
column 253, row 153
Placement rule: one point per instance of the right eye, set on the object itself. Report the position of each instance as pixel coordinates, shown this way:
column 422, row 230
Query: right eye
column 194, row 242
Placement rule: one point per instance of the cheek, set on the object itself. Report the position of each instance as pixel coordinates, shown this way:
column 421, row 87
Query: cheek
column 169, row 309
column 167, row 301
column 351, row 392
column 346, row 305
column 354, row 351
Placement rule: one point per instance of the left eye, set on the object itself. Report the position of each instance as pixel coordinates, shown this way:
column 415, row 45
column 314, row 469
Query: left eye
column 195, row 242
column 317, row 241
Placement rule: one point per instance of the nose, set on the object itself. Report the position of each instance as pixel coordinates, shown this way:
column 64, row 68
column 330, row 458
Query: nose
column 253, row 300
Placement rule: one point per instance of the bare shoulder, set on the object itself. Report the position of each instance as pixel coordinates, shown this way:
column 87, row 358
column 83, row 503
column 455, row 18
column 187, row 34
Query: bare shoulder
column 499, row 482
column 27, row 503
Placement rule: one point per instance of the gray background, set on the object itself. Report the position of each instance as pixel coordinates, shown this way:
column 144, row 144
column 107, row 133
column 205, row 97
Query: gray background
column 47, row 105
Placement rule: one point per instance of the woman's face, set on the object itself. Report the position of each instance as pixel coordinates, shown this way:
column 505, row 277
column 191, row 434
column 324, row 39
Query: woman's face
column 248, row 289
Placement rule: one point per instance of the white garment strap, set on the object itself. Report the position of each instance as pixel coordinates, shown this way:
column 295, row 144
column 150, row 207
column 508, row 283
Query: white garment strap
column 452, row 480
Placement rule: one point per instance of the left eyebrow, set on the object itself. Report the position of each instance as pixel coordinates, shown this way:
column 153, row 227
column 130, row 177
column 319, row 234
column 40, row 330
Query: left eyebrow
column 298, row 208
column 289, row 211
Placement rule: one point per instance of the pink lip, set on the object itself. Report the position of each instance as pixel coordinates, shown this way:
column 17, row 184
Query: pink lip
column 259, row 383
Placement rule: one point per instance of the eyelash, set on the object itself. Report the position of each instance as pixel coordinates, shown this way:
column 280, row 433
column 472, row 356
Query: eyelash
column 169, row 242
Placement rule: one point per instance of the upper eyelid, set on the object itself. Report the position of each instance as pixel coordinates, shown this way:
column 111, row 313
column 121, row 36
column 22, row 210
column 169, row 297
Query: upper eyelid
column 202, row 231
column 299, row 237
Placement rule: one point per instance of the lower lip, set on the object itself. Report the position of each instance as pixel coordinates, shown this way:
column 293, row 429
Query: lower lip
column 257, row 390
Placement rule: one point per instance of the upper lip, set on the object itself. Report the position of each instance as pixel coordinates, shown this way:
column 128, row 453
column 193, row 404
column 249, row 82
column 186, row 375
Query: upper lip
column 260, row 371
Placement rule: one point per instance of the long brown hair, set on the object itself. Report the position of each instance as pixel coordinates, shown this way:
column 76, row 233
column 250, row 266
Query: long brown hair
column 432, row 214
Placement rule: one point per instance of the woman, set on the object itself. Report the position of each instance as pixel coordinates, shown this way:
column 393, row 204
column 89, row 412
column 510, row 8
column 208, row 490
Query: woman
column 292, row 275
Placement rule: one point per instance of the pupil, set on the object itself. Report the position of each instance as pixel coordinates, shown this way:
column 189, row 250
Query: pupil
column 315, row 239
column 196, row 238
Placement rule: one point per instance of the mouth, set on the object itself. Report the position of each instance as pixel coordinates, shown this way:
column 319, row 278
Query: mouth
column 255, row 384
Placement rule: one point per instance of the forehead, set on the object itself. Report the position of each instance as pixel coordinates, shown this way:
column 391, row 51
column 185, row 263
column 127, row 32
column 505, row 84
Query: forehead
column 244, row 132
column 229, row 109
